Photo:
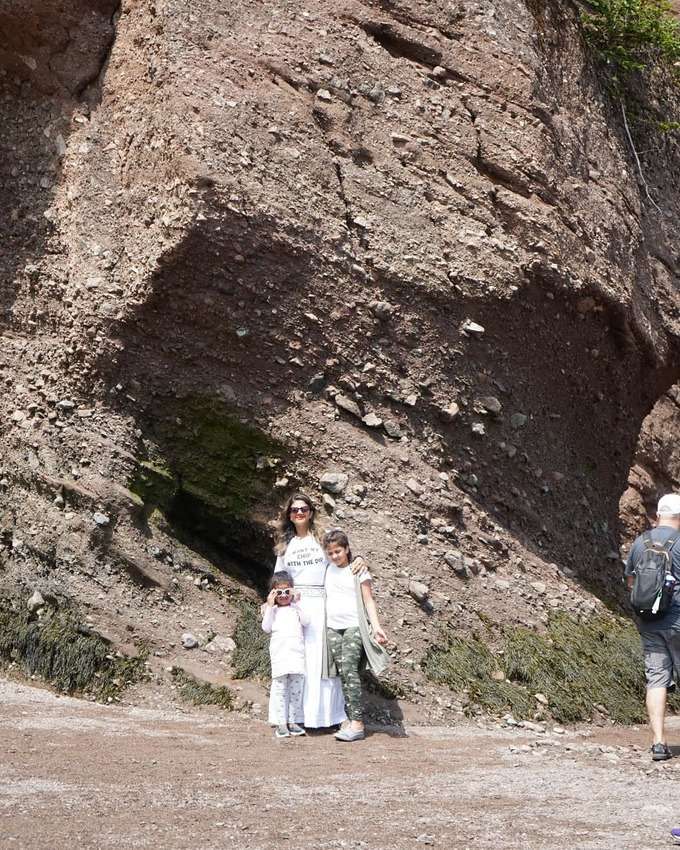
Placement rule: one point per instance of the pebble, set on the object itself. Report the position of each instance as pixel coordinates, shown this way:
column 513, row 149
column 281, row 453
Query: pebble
column 334, row 482
column 36, row 601
column 539, row 587
column 220, row 644
column 478, row 429
column 456, row 562
column 450, row 412
column 415, row 486
column 189, row 641
column 100, row 518
column 518, row 420
column 324, row 94
column 65, row 405
column 491, row 405
column 471, row 328
column 348, row 405
column 372, row 421
column 383, row 310
column 392, row 429
column 317, row 382
column 418, row 590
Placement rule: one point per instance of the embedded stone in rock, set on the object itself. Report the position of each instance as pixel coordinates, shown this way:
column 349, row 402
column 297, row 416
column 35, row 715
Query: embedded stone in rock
column 518, row 420
column 328, row 503
column 470, row 328
column 317, row 382
column 415, row 487
column 372, row 421
column 456, row 562
column 324, row 94
column 189, row 641
column 383, row 310
column 334, row 482
column 348, row 405
column 221, row 645
column 478, row 429
column 418, row 591
column 491, row 404
column 449, row 413
column 36, row 601
column 392, row 429
column 66, row 405
column 539, row 587
column 100, row 518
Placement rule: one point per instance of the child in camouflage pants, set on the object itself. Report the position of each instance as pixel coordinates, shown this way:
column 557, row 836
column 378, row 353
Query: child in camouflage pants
column 342, row 622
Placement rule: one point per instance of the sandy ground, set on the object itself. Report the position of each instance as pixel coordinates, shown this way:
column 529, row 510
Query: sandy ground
column 78, row 775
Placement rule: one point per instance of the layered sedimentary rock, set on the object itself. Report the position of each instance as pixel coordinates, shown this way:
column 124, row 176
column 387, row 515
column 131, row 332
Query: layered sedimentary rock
column 250, row 243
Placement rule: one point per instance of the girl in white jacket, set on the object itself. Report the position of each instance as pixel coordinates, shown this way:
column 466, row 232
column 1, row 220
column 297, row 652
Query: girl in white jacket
column 284, row 620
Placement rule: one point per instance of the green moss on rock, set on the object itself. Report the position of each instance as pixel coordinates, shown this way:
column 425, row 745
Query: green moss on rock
column 66, row 655
column 211, row 476
column 577, row 665
column 200, row 447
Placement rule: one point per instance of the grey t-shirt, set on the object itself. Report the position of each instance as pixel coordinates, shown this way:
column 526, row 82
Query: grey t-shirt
column 660, row 534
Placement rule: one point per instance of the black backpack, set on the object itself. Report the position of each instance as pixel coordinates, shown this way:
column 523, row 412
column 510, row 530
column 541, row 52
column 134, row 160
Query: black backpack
column 650, row 595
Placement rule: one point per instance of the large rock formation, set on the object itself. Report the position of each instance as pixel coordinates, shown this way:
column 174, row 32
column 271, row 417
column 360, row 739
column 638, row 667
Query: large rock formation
column 258, row 241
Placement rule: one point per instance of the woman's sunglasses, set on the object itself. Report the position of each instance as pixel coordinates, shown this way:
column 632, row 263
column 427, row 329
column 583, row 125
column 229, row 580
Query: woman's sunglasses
column 303, row 511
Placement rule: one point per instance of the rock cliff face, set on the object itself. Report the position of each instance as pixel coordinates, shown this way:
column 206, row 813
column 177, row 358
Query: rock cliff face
column 250, row 243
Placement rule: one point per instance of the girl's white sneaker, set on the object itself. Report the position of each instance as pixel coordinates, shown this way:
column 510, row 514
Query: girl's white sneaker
column 350, row 735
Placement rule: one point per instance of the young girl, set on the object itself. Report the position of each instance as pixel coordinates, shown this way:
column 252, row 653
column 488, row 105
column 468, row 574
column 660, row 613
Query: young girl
column 284, row 620
column 350, row 608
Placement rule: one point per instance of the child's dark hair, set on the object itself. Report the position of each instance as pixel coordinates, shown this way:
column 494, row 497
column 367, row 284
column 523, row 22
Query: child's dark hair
column 337, row 536
column 282, row 577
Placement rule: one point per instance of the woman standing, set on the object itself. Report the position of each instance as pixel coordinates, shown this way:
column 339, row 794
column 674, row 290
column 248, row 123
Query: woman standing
column 301, row 556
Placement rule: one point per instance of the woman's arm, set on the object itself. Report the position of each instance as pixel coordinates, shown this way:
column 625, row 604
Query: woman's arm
column 372, row 611
column 358, row 565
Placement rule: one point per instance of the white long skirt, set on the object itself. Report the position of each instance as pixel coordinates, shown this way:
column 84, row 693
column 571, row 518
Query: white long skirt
column 324, row 704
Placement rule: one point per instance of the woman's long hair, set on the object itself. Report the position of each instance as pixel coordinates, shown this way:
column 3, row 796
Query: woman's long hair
column 285, row 530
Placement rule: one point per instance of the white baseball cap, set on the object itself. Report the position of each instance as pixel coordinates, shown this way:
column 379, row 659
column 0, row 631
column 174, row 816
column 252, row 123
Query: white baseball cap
column 669, row 505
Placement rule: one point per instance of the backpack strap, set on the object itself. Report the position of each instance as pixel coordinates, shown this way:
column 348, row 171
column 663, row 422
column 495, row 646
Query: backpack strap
column 670, row 543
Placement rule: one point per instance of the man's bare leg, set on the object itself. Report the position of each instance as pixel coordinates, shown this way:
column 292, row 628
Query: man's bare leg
column 656, row 709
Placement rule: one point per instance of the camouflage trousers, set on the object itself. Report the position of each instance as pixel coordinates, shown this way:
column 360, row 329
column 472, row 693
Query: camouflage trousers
column 346, row 648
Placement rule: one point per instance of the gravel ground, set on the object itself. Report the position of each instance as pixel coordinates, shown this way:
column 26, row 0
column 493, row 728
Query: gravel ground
column 76, row 774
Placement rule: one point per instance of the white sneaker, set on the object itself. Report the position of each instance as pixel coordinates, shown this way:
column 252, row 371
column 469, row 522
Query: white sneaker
column 350, row 735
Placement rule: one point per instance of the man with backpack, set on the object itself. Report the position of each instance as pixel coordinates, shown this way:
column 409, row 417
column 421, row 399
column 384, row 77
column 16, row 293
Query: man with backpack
column 653, row 577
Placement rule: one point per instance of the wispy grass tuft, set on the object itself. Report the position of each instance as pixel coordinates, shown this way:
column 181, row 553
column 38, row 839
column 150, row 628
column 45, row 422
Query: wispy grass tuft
column 202, row 693
column 576, row 665
column 60, row 651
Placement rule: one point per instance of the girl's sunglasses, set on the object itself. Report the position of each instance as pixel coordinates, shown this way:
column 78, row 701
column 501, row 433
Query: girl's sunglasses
column 302, row 511
column 284, row 591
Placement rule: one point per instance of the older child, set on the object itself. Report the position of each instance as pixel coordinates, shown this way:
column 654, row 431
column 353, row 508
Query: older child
column 353, row 631
column 284, row 620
